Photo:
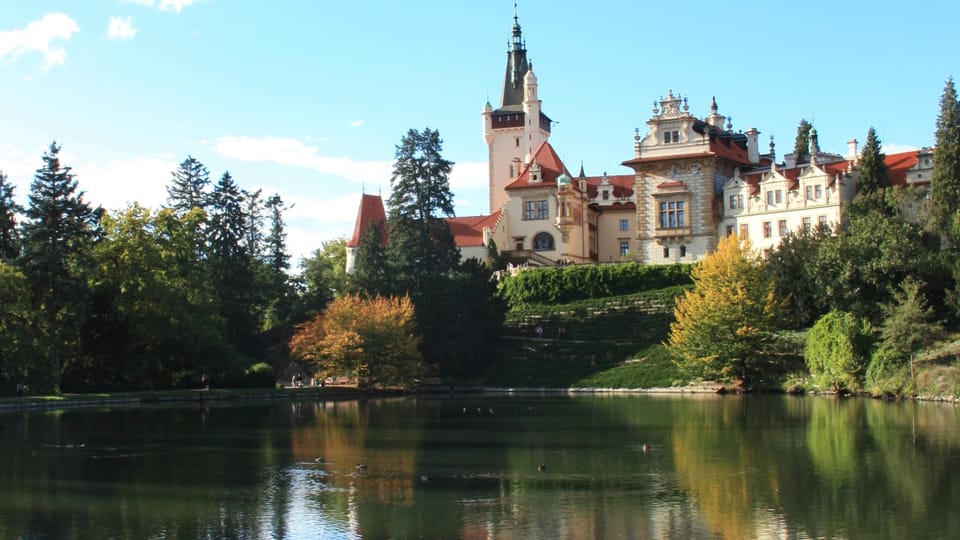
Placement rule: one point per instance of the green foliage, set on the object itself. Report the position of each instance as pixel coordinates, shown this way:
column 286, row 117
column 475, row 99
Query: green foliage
column 564, row 284
column 57, row 241
column 371, row 274
column 888, row 373
column 874, row 175
column 726, row 325
column 188, row 187
column 837, row 350
column 323, row 276
column 796, row 268
column 9, row 235
column 495, row 260
column 801, row 145
column 945, row 181
column 17, row 335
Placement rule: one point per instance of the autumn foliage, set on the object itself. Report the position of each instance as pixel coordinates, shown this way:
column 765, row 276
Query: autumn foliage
column 373, row 339
column 725, row 324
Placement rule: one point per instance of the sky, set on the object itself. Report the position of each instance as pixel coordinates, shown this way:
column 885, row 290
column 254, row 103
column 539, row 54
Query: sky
column 309, row 99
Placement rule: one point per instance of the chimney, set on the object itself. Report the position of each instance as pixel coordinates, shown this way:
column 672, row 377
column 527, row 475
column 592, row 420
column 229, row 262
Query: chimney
column 753, row 150
column 852, row 153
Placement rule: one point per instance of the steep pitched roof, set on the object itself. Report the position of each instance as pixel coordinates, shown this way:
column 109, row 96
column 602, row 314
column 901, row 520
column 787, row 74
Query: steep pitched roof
column 468, row 230
column 550, row 168
column 371, row 211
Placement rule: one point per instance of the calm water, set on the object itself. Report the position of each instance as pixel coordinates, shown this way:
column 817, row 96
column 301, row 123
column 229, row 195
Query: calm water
column 716, row 467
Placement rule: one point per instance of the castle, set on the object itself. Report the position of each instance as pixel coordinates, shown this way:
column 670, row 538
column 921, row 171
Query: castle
column 693, row 180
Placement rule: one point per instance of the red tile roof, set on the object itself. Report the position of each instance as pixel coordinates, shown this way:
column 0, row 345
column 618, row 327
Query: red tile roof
column 899, row 164
column 371, row 211
column 622, row 185
column 550, row 168
column 468, row 231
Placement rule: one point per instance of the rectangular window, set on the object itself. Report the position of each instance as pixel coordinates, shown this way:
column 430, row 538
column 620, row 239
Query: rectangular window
column 543, row 211
column 676, row 136
column 683, row 251
column 606, row 195
column 739, row 201
column 671, row 215
column 767, row 229
column 729, row 230
column 807, row 223
column 624, row 247
column 671, row 136
column 779, row 196
column 782, row 228
column 769, row 197
column 623, row 224
column 809, row 193
column 666, row 253
column 535, row 210
column 666, row 137
column 822, row 221
column 733, row 202
column 744, row 231
column 817, row 191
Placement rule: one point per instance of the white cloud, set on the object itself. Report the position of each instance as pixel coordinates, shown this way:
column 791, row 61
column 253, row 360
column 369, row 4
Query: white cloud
column 121, row 28
column 39, row 36
column 356, row 123
column 469, row 174
column 294, row 153
column 116, row 183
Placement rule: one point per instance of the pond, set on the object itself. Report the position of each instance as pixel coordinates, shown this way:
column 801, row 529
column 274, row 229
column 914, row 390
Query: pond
column 530, row 467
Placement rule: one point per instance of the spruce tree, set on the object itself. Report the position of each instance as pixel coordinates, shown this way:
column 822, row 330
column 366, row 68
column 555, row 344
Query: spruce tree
column 276, row 242
column 945, row 181
column 9, row 209
column 874, row 175
column 231, row 264
column 371, row 273
column 57, row 241
column 188, row 187
column 801, row 145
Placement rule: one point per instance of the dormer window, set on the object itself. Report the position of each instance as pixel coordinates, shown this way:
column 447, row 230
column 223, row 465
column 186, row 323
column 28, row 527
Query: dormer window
column 671, row 137
column 606, row 195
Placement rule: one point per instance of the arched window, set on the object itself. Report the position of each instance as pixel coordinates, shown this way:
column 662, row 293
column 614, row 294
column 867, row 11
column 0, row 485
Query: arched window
column 543, row 242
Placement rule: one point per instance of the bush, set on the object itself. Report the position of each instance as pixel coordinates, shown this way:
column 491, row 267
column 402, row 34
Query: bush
column 259, row 375
column 564, row 284
column 836, row 351
column 888, row 373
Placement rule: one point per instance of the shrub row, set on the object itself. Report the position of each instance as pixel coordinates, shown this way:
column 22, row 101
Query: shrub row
column 563, row 284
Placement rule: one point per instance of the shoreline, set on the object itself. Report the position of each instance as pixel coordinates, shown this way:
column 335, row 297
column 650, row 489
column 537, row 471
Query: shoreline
column 74, row 401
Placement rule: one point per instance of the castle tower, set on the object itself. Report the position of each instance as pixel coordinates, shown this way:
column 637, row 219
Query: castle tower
column 515, row 129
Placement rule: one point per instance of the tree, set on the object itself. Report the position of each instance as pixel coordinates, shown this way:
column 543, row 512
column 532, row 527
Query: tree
column 421, row 248
column 9, row 209
column 323, row 276
column 836, row 351
column 155, row 320
column 57, row 241
column 726, row 324
column 17, row 335
column 188, row 187
column 371, row 338
column 796, row 267
column 278, row 288
column 801, row 145
column 945, row 180
column 231, row 263
column 371, row 274
column 874, row 175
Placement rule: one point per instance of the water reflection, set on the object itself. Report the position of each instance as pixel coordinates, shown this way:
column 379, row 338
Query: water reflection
column 630, row 467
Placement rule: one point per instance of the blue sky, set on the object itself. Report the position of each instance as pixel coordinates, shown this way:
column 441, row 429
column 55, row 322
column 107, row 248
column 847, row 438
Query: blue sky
column 308, row 99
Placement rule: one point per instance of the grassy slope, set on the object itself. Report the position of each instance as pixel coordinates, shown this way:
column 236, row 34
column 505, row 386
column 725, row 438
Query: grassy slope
column 611, row 342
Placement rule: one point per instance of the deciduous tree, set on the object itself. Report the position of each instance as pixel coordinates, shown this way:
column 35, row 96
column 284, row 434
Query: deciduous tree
column 726, row 324
column 837, row 350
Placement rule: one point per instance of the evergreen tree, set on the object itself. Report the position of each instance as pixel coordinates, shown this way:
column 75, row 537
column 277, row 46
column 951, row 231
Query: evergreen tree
column 874, row 175
column 276, row 242
column 9, row 236
column 945, row 181
column 57, row 242
column 371, row 272
column 421, row 248
column 254, row 212
column 231, row 264
column 801, row 145
column 188, row 188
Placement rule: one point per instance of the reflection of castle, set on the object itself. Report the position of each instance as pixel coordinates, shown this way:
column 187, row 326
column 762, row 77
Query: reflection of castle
column 693, row 180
